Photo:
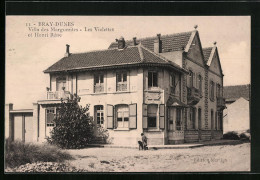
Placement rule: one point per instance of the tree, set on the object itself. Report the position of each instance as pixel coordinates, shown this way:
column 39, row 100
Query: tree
column 73, row 128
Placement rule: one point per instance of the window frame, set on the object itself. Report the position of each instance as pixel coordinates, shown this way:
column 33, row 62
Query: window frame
column 100, row 112
column 123, row 115
column 212, row 90
column 122, row 82
column 99, row 84
column 153, row 84
column 200, row 84
column 191, row 77
column 62, row 79
column 173, row 83
column 151, row 116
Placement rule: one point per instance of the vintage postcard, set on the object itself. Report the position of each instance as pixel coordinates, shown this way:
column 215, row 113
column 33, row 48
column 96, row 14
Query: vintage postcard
column 127, row 94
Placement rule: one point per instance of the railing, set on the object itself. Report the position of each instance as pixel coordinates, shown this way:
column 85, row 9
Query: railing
column 193, row 95
column 121, row 87
column 99, row 88
column 58, row 95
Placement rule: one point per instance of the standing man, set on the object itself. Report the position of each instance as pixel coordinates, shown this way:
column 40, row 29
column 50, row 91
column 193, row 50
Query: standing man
column 144, row 141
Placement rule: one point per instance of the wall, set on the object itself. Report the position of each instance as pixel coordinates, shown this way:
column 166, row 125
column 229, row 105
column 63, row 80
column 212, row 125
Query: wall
column 237, row 116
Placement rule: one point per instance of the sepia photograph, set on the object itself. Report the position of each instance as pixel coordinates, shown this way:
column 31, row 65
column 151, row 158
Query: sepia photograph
column 92, row 94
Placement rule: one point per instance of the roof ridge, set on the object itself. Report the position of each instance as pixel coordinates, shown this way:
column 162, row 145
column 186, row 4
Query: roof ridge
column 151, row 37
column 101, row 50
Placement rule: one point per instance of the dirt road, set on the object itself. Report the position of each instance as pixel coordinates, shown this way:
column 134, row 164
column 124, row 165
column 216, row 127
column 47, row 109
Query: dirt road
column 201, row 159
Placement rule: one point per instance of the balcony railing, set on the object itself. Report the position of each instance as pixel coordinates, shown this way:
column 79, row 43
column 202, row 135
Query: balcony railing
column 193, row 95
column 221, row 103
column 52, row 95
column 98, row 88
column 121, row 87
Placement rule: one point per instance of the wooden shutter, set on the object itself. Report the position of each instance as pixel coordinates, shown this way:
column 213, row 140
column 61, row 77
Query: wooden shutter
column 133, row 116
column 145, row 116
column 110, row 116
column 162, row 115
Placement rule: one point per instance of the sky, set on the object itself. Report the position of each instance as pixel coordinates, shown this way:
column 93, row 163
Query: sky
column 27, row 57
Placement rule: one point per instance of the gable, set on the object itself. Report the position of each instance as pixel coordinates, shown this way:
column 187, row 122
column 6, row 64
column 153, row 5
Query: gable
column 195, row 50
column 215, row 65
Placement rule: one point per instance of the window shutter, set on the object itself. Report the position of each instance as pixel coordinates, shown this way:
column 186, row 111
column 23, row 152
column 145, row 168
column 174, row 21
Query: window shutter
column 110, row 116
column 162, row 123
column 145, row 116
column 132, row 116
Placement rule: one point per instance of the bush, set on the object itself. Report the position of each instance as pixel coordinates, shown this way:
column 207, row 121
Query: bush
column 245, row 136
column 73, row 128
column 231, row 135
column 18, row 153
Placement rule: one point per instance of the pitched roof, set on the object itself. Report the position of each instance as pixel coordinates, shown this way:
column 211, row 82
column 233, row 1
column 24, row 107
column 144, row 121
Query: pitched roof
column 109, row 57
column 232, row 93
column 171, row 42
column 206, row 53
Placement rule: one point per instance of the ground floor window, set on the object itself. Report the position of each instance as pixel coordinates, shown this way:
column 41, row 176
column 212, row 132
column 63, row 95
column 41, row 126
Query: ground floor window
column 178, row 118
column 122, row 116
column 99, row 114
column 50, row 117
column 192, row 117
column 152, row 115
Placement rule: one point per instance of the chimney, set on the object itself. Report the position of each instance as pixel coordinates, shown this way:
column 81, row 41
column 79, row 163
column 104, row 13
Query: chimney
column 67, row 50
column 121, row 43
column 134, row 41
column 158, row 44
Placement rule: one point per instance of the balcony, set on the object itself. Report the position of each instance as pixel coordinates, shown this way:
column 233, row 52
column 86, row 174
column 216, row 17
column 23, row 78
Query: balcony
column 221, row 103
column 193, row 96
column 57, row 95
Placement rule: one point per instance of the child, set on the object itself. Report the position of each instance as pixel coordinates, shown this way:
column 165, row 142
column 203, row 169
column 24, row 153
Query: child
column 144, row 141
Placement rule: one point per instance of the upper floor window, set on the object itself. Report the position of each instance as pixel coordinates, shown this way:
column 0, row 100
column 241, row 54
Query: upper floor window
column 190, row 79
column 121, row 81
column 200, row 84
column 218, row 93
column 60, row 83
column 98, row 83
column 172, row 83
column 212, row 85
column 152, row 79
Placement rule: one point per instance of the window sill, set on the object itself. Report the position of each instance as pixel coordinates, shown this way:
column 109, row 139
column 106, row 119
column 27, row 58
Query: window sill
column 121, row 129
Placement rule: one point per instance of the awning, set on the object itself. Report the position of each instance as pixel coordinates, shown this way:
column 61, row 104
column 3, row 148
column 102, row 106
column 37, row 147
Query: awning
column 174, row 102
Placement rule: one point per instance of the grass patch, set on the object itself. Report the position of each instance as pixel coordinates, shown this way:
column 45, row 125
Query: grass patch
column 18, row 153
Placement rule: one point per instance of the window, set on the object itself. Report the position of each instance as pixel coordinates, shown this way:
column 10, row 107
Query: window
column 218, row 90
column 172, row 83
column 199, row 118
column 98, row 83
column 50, row 117
column 178, row 119
column 216, row 121
column 61, row 83
column 200, row 84
column 99, row 114
column 122, row 116
column 190, row 79
column 152, row 115
column 212, row 90
column 212, row 119
column 121, row 81
column 192, row 117
column 152, row 79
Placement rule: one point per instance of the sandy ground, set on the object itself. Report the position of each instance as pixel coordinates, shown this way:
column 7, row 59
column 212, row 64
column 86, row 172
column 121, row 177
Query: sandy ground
column 201, row 159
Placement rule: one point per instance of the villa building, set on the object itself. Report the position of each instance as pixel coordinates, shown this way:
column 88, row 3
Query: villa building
column 167, row 87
